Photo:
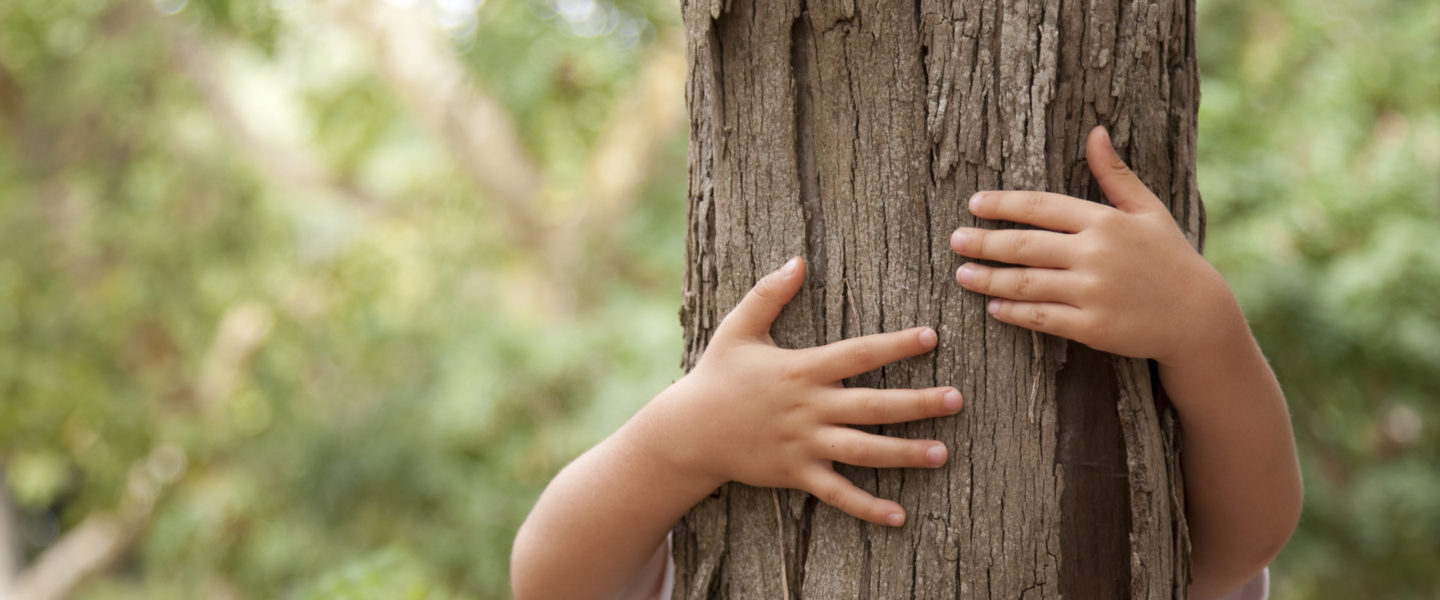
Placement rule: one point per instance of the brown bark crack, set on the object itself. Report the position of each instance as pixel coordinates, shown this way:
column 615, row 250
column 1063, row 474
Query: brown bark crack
column 851, row 132
column 802, row 69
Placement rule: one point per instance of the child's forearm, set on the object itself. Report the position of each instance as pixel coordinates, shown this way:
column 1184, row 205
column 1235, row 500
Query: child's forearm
column 1242, row 481
column 1125, row 279
column 748, row 411
column 603, row 517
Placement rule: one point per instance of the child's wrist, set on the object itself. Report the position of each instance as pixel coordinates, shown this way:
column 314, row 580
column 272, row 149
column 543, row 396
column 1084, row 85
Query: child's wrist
column 1219, row 331
column 1214, row 323
column 658, row 437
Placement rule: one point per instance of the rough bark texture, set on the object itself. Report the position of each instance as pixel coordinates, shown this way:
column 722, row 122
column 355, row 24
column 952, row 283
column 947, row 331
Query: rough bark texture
column 851, row 132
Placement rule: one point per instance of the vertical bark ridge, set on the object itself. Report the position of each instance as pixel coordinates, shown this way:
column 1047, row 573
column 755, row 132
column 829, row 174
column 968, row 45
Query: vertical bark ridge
column 802, row 67
column 852, row 132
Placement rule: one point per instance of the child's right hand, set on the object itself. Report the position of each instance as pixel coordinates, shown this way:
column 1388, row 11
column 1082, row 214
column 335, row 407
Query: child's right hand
column 766, row 416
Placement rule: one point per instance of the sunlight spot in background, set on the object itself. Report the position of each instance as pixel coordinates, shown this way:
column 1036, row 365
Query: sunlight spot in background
column 457, row 16
column 1402, row 425
column 575, row 11
column 592, row 18
column 580, row 18
column 169, row 7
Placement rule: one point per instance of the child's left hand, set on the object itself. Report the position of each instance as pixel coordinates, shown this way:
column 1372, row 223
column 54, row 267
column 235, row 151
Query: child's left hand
column 1122, row 280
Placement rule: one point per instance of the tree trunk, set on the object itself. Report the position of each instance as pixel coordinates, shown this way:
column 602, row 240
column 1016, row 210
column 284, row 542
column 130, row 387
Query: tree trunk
column 852, row 133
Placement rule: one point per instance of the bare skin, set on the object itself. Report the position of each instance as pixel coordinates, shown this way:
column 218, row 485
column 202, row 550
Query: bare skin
column 750, row 412
column 1122, row 279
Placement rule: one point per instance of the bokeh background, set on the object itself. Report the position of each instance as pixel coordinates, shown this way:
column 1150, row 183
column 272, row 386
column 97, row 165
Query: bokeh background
column 310, row 298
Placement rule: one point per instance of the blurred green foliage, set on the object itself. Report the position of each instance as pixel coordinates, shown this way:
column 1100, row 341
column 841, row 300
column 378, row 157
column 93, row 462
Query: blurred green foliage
column 1320, row 165
column 355, row 386
column 253, row 301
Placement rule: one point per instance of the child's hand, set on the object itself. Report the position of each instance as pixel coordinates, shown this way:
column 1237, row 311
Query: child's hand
column 765, row 416
column 1123, row 280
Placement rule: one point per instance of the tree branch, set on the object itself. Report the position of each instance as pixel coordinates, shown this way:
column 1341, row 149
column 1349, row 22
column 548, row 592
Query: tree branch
column 101, row 539
column 289, row 165
column 624, row 156
column 636, row 130
column 418, row 64
column 90, row 547
column 243, row 328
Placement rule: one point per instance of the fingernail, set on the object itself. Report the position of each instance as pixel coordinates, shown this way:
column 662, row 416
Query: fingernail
column 958, row 239
column 965, row 274
column 993, row 306
column 952, row 400
column 927, row 337
column 936, row 454
column 976, row 201
column 790, row 266
column 895, row 519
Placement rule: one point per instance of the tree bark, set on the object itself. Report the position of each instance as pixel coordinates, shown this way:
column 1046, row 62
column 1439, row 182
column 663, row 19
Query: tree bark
column 852, row 133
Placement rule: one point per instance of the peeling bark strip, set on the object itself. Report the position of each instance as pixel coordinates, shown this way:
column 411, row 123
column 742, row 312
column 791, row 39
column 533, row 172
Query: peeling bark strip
column 851, row 131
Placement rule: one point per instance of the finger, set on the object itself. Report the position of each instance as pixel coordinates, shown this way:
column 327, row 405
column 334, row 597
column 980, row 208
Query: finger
column 864, row 406
column 1046, row 317
column 1122, row 188
column 834, row 489
column 1018, row 283
column 1015, row 246
column 756, row 312
column 1055, row 212
column 847, row 358
column 855, row 447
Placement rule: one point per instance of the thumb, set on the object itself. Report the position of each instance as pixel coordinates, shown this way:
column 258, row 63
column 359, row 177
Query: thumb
column 755, row 313
column 1122, row 188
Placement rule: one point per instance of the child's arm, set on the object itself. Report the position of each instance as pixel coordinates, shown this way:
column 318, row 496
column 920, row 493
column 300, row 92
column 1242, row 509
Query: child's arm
column 750, row 412
column 1124, row 280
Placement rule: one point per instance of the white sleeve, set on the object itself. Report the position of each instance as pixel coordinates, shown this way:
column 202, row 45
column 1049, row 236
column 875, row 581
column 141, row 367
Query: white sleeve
column 667, row 586
column 1258, row 588
column 655, row 579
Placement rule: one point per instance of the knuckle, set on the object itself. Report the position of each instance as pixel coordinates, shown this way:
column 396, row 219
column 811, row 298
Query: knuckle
column 873, row 408
column 1037, row 317
column 1088, row 287
column 1098, row 249
column 1031, row 205
column 862, row 352
column 1019, row 244
column 1024, row 281
column 1117, row 166
column 1087, row 249
column 858, row 454
column 764, row 289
